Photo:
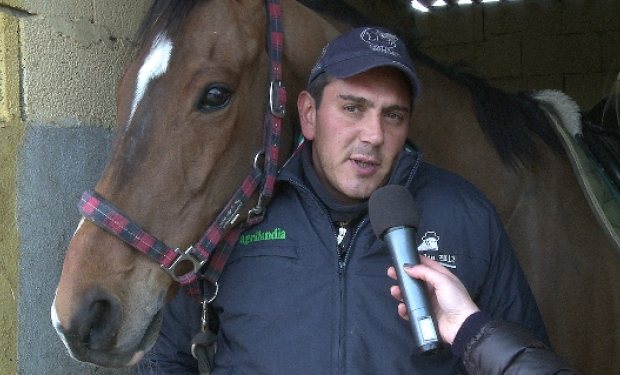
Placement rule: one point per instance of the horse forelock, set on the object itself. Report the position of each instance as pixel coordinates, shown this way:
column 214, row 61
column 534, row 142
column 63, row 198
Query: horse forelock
column 168, row 15
column 339, row 10
column 165, row 16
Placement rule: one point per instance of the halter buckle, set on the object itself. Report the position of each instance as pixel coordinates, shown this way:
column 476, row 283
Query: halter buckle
column 186, row 256
column 276, row 102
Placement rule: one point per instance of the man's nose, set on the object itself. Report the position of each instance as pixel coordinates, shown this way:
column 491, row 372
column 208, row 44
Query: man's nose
column 372, row 130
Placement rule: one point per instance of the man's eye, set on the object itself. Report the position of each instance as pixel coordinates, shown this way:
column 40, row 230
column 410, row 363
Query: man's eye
column 350, row 108
column 394, row 116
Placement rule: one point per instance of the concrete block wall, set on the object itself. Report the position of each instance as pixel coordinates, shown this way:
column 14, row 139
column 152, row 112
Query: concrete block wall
column 59, row 65
column 569, row 45
column 11, row 133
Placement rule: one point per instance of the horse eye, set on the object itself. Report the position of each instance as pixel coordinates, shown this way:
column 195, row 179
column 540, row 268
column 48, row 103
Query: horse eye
column 214, row 97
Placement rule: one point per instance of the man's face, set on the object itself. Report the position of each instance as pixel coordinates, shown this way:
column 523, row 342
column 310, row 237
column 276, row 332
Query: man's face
column 358, row 131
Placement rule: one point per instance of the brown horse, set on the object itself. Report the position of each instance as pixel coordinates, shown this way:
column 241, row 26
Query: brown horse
column 190, row 109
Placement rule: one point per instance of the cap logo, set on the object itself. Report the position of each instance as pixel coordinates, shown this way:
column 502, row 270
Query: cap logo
column 317, row 65
column 380, row 41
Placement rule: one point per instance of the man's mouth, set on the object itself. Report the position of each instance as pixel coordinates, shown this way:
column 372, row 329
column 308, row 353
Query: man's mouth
column 365, row 161
column 363, row 164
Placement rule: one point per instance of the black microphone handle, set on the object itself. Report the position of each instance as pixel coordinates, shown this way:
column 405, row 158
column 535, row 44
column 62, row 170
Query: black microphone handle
column 401, row 242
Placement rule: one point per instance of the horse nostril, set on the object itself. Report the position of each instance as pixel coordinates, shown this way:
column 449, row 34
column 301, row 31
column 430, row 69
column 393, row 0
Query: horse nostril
column 97, row 321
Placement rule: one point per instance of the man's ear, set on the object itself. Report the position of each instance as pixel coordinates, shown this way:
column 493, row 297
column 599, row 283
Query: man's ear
column 306, row 106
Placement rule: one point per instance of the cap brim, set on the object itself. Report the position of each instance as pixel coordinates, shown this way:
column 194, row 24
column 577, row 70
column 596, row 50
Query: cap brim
column 348, row 68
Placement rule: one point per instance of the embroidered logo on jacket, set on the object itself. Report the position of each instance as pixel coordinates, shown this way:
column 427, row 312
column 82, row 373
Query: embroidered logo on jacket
column 429, row 242
column 430, row 248
column 259, row 235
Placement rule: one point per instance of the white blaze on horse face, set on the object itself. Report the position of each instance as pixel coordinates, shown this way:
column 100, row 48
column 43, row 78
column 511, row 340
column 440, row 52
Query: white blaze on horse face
column 154, row 66
column 79, row 226
column 58, row 326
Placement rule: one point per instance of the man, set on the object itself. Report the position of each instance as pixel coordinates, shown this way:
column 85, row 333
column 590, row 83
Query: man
column 315, row 299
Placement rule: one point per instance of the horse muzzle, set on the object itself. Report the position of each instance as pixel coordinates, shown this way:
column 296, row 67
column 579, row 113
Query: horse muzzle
column 95, row 330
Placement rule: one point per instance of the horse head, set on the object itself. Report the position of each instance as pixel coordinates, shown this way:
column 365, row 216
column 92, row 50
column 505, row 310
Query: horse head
column 190, row 115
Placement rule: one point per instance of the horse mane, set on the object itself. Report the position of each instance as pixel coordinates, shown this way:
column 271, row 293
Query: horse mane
column 508, row 120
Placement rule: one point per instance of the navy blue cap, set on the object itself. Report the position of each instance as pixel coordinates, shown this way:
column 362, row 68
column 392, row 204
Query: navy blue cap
column 362, row 49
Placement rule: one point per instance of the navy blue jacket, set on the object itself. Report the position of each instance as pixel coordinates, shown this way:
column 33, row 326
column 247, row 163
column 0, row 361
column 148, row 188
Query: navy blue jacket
column 287, row 305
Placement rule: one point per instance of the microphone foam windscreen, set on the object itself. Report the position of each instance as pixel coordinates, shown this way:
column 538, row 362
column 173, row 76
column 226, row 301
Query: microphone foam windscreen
column 392, row 206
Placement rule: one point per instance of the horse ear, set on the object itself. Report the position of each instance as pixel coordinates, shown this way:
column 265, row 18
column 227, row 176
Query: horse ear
column 306, row 106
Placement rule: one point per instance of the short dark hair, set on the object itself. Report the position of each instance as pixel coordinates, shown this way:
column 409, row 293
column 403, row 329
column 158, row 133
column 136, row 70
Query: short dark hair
column 316, row 87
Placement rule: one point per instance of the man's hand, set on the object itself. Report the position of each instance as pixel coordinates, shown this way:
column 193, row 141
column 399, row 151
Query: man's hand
column 451, row 301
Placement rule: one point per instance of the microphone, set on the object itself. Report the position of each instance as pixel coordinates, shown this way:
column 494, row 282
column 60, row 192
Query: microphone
column 394, row 219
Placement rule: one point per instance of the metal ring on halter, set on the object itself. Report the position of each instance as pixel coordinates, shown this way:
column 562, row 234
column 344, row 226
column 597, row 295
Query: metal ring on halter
column 184, row 256
column 276, row 106
column 217, row 289
column 258, row 209
column 260, row 154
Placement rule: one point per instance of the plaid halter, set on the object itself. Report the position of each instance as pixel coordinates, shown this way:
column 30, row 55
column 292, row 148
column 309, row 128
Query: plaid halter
column 214, row 248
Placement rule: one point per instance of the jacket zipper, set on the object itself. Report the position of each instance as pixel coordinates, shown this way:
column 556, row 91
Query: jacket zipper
column 342, row 260
column 331, row 223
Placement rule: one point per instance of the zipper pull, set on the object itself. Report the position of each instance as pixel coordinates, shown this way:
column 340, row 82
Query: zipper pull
column 342, row 232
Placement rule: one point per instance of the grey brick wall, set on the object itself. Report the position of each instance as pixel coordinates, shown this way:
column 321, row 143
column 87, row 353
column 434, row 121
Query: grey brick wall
column 569, row 45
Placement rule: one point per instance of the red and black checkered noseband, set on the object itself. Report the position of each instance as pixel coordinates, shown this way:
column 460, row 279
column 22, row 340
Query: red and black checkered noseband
column 101, row 212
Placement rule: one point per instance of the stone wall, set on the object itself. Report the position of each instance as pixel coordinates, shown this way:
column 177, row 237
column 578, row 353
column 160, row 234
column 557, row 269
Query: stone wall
column 59, row 64
column 569, row 45
column 11, row 133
